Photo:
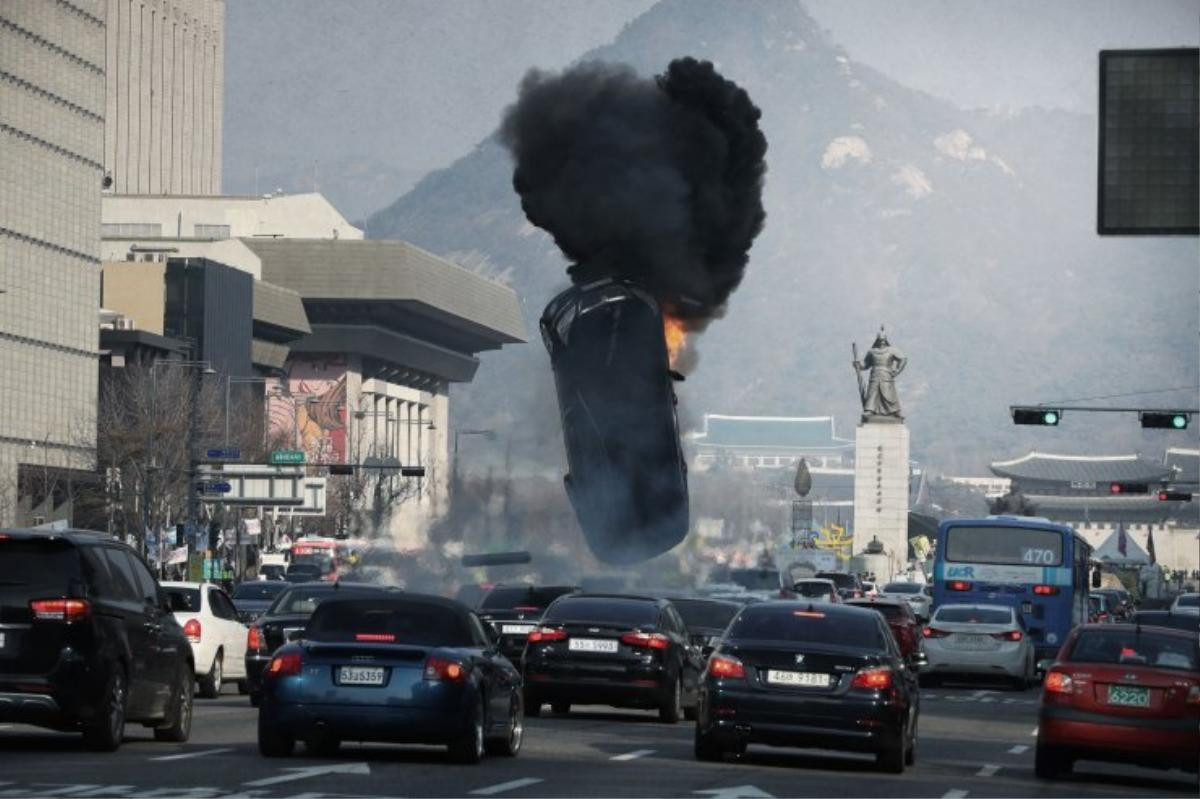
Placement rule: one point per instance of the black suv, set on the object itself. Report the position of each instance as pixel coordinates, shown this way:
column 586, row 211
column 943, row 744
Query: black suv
column 88, row 640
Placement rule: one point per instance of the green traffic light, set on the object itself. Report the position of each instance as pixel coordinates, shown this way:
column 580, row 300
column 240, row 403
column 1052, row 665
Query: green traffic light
column 1179, row 421
column 1050, row 418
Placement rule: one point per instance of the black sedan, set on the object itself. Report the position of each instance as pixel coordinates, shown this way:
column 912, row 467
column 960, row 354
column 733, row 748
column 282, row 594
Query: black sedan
column 624, row 651
column 804, row 675
column 515, row 610
column 628, row 477
column 285, row 619
column 251, row 599
column 705, row 619
column 404, row 668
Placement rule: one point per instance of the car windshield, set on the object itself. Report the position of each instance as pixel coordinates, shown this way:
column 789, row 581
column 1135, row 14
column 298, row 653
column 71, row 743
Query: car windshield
column 261, row 590
column 183, row 600
column 628, row 612
column 298, row 601
column 813, row 588
column 1134, row 647
column 902, row 588
column 523, row 597
column 792, row 623
column 409, row 622
column 698, row 613
column 971, row 614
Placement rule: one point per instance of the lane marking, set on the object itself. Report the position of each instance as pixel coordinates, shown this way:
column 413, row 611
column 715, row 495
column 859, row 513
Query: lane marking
column 1018, row 750
column 187, row 755
column 633, row 755
column 491, row 790
column 1034, row 733
column 954, row 793
column 988, row 770
column 304, row 772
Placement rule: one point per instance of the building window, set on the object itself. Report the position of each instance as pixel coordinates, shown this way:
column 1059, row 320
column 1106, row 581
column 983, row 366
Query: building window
column 131, row 230
column 212, row 231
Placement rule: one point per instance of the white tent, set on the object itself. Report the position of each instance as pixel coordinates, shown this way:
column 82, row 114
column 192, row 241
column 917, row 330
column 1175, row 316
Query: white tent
column 1109, row 551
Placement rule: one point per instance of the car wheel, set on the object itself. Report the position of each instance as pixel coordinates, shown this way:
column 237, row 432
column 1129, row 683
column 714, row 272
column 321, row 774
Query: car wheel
column 891, row 757
column 105, row 733
column 468, row 748
column 671, row 708
column 707, row 747
column 178, row 724
column 210, row 684
column 1049, row 762
column 510, row 744
column 272, row 743
column 560, row 708
column 243, row 687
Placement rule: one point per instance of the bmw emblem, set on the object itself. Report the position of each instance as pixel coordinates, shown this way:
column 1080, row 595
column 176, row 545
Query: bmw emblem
column 799, row 660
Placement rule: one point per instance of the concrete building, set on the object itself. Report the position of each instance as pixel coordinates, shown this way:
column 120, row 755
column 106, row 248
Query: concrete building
column 52, row 88
column 164, row 95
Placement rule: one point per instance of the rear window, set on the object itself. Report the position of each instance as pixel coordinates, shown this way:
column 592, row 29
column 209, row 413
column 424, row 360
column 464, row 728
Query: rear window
column 973, row 615
column 1131, row 648
column 631, row 612
column 890, row 612
column 1189, row 601
column 41, row 567
column 902, row 588
column 698, row 613
column 522, row 597
column 401, row 622
column 184, row 600
column 849, row 629
column 258, row 590
column 813, row 589
column 299, row 601
column 838, row 579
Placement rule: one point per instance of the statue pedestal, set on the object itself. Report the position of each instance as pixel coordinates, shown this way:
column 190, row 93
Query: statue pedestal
column 881, row 490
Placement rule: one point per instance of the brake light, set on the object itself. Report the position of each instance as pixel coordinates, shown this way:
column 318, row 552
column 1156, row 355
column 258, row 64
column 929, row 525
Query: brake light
column 284, row 665
column 1011, row 635
column 933, row 632
column 545, row 634
column 873, row 679
column 808, row 614
column 958, row 585
column 726, row 668
column 646, row 640
column 375, row 638
column 192, row 630
column 65, row 610
column 1058, row 682
column 1045, row 590
column 526, row 608
column 254, row 640
column 444, row 670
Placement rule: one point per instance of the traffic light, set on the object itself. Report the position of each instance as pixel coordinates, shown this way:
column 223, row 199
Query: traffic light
column 1129, row 488
column 1047, row 417
column 180, row 535
column 214, row 534
column 341, row 468
column 1167, row 420
column 1166, row 495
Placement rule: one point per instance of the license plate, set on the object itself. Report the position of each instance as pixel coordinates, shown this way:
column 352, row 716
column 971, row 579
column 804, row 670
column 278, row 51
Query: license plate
column 591, row 645
column 967, row 641
column 516, row 629
column 360, row 675
column 1128, row 696
column 807, row 679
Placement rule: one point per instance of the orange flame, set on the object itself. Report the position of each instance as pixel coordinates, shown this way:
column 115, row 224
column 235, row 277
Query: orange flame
column 676, row 336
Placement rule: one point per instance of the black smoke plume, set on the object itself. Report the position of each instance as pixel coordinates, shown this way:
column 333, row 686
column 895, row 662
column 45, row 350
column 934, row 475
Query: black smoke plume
column 655, row 180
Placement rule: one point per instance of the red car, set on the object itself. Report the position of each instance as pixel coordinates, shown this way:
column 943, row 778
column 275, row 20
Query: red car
column 1122, row 693
column 899, row 618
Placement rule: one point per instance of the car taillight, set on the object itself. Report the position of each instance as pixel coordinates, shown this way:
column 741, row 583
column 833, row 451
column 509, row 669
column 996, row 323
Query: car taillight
column 544, row 634
column 726, row 668
column 254, row 640
column 375, row 638
column 445, row 670
column 933, row 632
column 873, row 679
column 192, row 630
column 1011, row 635
column 646, row 640
column 958, row 585
column 1193, row 697
column 1057, row 682
column 65, row 610
column 284, row 665
column 1045, row 590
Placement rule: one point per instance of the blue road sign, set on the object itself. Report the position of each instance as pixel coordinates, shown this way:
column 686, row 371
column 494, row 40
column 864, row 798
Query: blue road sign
column 225, row 454
column 215, row 488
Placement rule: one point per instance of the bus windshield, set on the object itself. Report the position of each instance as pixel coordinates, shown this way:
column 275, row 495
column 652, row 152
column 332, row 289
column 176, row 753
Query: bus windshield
column 1017, row 546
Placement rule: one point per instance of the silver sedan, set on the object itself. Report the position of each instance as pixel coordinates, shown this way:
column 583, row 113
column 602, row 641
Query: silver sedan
column 912, row 593
column 980, row 640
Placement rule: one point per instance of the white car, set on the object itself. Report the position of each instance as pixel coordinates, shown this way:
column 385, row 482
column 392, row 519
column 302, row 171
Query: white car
column 218, row 639
column 912, row 593
column 980, row 640
column 1186, row 604
column 818, row 589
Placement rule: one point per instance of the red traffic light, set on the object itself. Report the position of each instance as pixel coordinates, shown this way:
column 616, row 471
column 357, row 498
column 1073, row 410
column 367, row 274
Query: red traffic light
column 1129, row 488
column 1174, row 496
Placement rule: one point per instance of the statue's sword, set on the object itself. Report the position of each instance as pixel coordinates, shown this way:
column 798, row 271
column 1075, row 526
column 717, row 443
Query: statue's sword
column 862, row 390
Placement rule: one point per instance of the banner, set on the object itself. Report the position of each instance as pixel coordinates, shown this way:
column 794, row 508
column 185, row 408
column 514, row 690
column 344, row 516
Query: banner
column 178, row 555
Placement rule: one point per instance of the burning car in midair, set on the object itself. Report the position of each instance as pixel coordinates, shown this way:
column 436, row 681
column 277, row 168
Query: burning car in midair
column 627, row 478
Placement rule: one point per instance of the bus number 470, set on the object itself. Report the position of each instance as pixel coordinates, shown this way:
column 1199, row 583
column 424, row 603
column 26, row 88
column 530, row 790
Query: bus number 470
column 1037, row 556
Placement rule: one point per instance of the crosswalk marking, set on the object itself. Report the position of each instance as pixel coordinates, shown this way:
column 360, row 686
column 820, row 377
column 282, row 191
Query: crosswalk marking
column 492, row 790
column 1018, row 750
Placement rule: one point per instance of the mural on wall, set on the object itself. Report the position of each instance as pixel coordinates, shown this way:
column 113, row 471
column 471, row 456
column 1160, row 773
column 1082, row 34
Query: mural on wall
column 308, row 408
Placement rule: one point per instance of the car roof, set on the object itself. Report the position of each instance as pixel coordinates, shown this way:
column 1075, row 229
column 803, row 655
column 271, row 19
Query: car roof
column 824, row 580
column 340, row 586
column 867, row 602
column 628, row 597
column 1134, row 628
column 396, row 595
column 72, row 534
column 829, row 609
column 976, row 605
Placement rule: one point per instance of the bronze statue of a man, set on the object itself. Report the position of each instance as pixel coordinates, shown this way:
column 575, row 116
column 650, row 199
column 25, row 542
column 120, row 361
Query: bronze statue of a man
column 879, row 399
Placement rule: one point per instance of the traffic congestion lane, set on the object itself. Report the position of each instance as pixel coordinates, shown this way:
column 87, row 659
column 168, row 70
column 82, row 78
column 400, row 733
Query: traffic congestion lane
column 972, row 742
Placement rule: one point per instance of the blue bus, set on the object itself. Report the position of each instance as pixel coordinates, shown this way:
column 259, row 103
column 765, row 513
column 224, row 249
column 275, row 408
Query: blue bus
column 1035, row 565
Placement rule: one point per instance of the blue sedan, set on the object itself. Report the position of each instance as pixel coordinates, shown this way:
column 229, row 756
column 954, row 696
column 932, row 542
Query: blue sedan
column 409, row 669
